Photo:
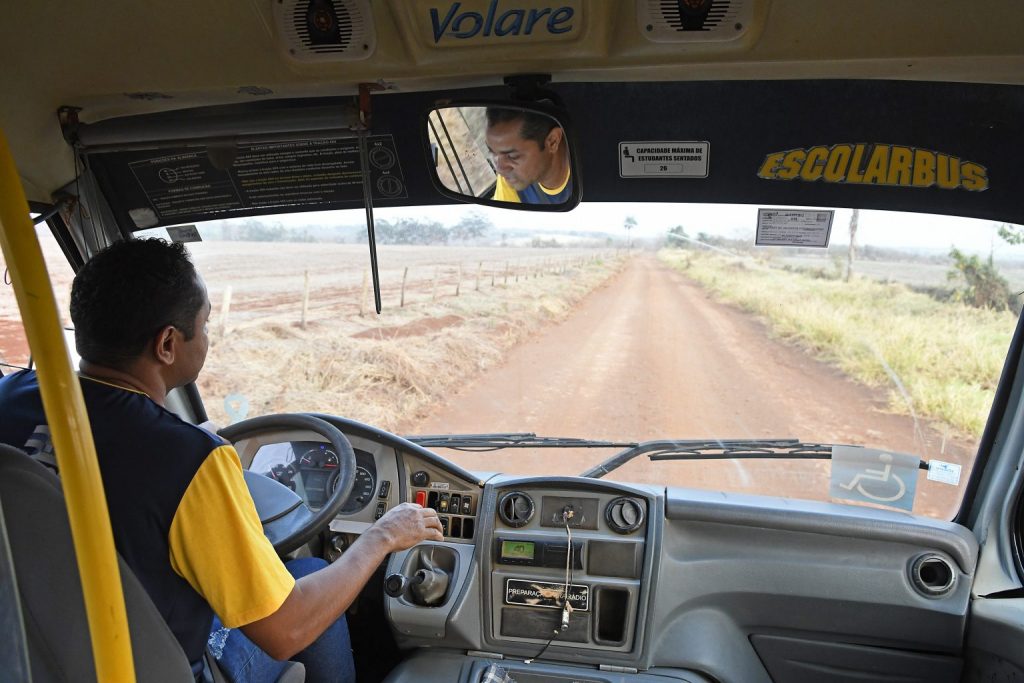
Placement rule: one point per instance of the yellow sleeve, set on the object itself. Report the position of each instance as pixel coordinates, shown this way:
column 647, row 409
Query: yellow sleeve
column 503, row 192
column 217, row 544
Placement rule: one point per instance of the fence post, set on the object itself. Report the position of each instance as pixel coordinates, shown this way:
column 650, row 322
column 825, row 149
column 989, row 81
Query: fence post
column 506, row 272
column 225, row 307
column 405, row 274
column 458, row 280
column 479, row 270
column 305, row 298
column 433, row 292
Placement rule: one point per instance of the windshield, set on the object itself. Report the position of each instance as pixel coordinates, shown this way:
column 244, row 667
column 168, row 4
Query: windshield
column 623, row 323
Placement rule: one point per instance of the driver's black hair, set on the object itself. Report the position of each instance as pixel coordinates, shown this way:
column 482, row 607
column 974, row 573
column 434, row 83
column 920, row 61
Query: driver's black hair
column 535, row 126
column 127, row 293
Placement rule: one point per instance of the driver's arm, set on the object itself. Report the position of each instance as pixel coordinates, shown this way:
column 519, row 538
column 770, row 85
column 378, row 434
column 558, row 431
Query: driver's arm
column 320, row 598
column 217, row 545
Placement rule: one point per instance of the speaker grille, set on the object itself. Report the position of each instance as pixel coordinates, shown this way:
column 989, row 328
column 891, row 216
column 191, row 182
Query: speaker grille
column 683, row 21
column 326, row 30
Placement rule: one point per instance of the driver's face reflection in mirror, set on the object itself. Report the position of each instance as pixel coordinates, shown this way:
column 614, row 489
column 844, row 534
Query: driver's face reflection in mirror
column 530, row 157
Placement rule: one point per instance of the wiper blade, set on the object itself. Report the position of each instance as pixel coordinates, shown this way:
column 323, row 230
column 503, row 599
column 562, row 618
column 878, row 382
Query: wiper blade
column 718, row 449
column 495, row 442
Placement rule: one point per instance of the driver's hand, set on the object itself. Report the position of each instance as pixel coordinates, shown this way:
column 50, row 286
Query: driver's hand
column 407, row 524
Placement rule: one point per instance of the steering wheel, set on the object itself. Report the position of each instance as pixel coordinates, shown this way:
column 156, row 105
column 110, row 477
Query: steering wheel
column 287, row 521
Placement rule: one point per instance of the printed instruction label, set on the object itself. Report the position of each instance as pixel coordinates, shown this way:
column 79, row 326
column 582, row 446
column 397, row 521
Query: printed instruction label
column 793, row 227
column 664, row 159
column 944, row 472
column 546, row 594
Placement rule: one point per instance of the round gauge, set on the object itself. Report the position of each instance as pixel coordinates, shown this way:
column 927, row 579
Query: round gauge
column 322, row 457
column 362, row 490
column 284, row 474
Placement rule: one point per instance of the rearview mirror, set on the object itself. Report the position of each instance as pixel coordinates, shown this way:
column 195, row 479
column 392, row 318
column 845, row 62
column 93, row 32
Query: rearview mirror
column 501, row 155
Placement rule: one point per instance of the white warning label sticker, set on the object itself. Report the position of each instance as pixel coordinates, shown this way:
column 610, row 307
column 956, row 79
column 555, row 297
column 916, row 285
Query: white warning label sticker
column 664, row 159
column 945, row 472
column 793, row 227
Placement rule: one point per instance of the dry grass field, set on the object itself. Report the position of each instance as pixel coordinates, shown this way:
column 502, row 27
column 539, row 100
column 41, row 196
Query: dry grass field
column 448, row 313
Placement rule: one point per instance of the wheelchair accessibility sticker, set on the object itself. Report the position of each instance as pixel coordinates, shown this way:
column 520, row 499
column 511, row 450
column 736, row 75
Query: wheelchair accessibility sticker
column 872, row 476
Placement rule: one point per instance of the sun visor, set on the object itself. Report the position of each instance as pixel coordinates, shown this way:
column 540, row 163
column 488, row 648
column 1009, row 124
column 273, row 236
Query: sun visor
column 896, row 145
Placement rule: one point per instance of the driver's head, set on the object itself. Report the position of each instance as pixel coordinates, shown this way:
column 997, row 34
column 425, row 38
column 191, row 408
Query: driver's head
column 526, row 147
column 142, row 300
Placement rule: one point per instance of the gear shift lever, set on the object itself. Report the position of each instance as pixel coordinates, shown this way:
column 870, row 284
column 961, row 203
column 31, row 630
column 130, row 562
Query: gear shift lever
column 428, row 584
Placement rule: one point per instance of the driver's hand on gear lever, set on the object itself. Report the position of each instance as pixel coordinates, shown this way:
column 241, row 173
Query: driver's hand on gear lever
column 407, row 524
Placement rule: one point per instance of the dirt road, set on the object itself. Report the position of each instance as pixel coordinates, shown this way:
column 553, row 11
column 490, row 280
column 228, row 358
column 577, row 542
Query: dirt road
column 651, row 356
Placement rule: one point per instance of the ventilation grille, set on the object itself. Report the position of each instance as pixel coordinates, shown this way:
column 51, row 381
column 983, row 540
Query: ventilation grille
column 624, row 515
column 700, row 21
column 516, row 509
column 326, row 30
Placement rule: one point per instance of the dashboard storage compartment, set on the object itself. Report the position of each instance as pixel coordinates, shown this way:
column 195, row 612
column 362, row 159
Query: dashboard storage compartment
column 797, row 659
column 611, row 606
column 542, row 624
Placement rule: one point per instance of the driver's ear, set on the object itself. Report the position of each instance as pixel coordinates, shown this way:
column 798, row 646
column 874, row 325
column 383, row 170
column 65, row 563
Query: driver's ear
column 165, row 345
column 554, row 138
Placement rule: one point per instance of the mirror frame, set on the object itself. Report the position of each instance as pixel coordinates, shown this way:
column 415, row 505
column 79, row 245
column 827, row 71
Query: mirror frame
column 556, row 113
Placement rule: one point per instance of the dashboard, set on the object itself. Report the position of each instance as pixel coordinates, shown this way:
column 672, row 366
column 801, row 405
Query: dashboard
column 631, row 583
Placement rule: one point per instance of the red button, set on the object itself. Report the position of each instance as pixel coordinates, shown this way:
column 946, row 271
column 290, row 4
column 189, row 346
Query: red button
column 421, row 498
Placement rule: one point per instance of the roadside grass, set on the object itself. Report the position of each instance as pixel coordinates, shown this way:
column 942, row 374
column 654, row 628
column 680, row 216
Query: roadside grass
column 360, row 367
column 947, row 356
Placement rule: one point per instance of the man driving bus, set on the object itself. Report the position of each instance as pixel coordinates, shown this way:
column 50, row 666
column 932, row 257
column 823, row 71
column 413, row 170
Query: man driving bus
column 182, row 517
column 530, row 156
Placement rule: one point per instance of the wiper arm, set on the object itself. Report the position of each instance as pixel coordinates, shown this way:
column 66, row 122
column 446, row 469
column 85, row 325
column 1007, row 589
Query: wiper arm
column 718, row 449
column 495, row 442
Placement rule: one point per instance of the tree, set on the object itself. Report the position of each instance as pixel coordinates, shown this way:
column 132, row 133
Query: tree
column 983, row 287
column 853, row 243
column 677, row 237
column 629, row 225
column 472, row 225
column 1013, row 234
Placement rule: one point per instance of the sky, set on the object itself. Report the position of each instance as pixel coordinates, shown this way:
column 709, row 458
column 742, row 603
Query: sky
column 876, row 228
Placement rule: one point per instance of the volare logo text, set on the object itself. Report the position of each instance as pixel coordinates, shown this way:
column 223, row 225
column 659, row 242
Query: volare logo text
column 499, row 21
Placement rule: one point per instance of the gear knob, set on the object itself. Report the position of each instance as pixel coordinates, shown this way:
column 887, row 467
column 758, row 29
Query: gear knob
column 395, row 585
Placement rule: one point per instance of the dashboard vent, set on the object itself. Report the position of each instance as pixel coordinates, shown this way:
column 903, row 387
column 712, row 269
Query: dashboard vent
column 516, row 509
column 326, row 30
column 624, row 515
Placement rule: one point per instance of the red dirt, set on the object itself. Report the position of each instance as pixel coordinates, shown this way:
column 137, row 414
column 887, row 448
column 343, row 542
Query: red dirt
column 651, row 356
column 13, row 344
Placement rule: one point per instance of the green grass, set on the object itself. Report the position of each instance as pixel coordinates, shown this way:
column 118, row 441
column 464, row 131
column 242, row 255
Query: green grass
column 947, row 356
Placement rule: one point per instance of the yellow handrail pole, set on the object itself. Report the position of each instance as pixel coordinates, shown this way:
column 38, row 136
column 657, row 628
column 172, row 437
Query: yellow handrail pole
column 70, row 430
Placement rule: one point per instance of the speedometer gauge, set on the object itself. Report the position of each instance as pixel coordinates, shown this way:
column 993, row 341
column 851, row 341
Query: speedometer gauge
column 322, row 457
column 362, row 490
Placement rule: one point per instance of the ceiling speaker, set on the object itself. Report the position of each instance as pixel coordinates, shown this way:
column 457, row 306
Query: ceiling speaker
column 326, row 30
column 694, row 21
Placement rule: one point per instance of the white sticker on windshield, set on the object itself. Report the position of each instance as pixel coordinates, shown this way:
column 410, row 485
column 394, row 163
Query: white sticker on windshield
column 664, row 159
column 184, row 233
column 236, row 406
column 872, row 476
column 793, row 227
column 944, row 472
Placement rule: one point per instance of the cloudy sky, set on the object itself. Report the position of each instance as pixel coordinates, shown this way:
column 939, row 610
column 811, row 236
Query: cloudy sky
column 876, row 228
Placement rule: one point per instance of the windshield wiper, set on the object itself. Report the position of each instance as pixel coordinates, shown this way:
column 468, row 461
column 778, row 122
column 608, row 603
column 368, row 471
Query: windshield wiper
column 675, row 449
column 494, row 442
column 718, row 449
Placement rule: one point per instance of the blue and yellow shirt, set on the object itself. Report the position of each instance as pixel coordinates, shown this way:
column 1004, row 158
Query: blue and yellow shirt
column 533, row 194
column 182, row 517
